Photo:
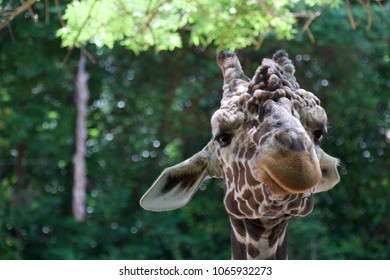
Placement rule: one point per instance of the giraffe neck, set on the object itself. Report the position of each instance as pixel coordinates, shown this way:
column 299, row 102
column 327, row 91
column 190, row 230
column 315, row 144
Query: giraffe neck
column 254, row 239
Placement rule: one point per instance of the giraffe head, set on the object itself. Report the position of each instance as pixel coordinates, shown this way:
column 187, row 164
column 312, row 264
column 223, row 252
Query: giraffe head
column 265, row 145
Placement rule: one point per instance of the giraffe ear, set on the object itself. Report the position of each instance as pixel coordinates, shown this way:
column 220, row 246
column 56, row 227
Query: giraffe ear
column 330, row 175
column 177, row 184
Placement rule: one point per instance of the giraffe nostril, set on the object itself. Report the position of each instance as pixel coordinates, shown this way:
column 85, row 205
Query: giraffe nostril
column 291, row 141
column 283, row 139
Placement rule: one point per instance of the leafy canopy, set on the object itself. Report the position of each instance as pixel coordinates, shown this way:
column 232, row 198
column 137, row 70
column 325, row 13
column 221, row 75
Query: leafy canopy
column 161, row 24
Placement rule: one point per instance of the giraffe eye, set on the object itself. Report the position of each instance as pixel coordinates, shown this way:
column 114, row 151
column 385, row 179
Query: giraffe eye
column 223, row 139
column 318, row 135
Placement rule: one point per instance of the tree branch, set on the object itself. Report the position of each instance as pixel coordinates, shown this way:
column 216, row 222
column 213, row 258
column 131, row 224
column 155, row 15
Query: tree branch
column 47, row 12
column 380, row 4
column 34, row 17
column 266, row 9
column 312, row 17
column 369, row 17
column 11, row 34
column 59, row 13
column 307, row 24
column 311, row 36
column 261, row 40
column 26, row 5
column 350, row 15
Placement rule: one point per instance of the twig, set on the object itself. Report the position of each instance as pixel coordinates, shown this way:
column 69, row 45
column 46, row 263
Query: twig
column 310, row 35
column 267, row 10
column 59, row 13
column 70, row 50
column 88, row 55
column 380, row 4
column 361, row 3
column 367, row 6
column 369, row 16
column 350, row 16
column 33, row 16
column 261, row 40
column 11, row 34
column 84, row 50
column 307, row 24
column 17, row 11
column 47, row 14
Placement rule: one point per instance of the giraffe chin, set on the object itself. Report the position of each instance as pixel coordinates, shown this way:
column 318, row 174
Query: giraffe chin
column 298, row 174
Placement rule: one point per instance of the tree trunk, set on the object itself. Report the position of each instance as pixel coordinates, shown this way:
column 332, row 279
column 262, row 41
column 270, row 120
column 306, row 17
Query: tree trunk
column 79, row 163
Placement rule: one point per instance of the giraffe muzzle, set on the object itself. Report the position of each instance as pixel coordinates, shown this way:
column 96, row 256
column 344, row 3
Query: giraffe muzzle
column 291, row 166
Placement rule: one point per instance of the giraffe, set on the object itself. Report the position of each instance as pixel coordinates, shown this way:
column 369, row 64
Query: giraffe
column 265, row 144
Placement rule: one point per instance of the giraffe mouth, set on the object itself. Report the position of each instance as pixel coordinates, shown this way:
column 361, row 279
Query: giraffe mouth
column 276, row 188
column 300, row 173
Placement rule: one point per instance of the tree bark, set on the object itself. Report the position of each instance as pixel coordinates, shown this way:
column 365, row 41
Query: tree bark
column 79, row 162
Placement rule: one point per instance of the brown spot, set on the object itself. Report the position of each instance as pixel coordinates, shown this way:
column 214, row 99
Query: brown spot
column 257, row 136
column 248, row 196
column 234, row 167
column 259, row 195
column 244, row 207
column 295, row 203
column 251, row 106
column 264, row 128
column 238, row 248
column 277, row 208
column 244, row 99
column 308, row 206
column 281, row 252
column 231, row 204
column 249, row 124
column 241, row 153
column 238, row 225
column 261, row 95
column 251, row 180
column 236, row 174
column 254, row 229
column 236, row 149
column 277, row 232
column 242, row 172
column 253, row 252
column 251, row 150
column 229, row 175
column 265, row 138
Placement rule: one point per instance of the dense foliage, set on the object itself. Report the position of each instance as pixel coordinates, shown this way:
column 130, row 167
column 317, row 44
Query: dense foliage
column 149, row 111
column 158, row 23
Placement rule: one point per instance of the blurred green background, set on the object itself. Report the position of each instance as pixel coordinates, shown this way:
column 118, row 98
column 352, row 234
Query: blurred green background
column 152, row 109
